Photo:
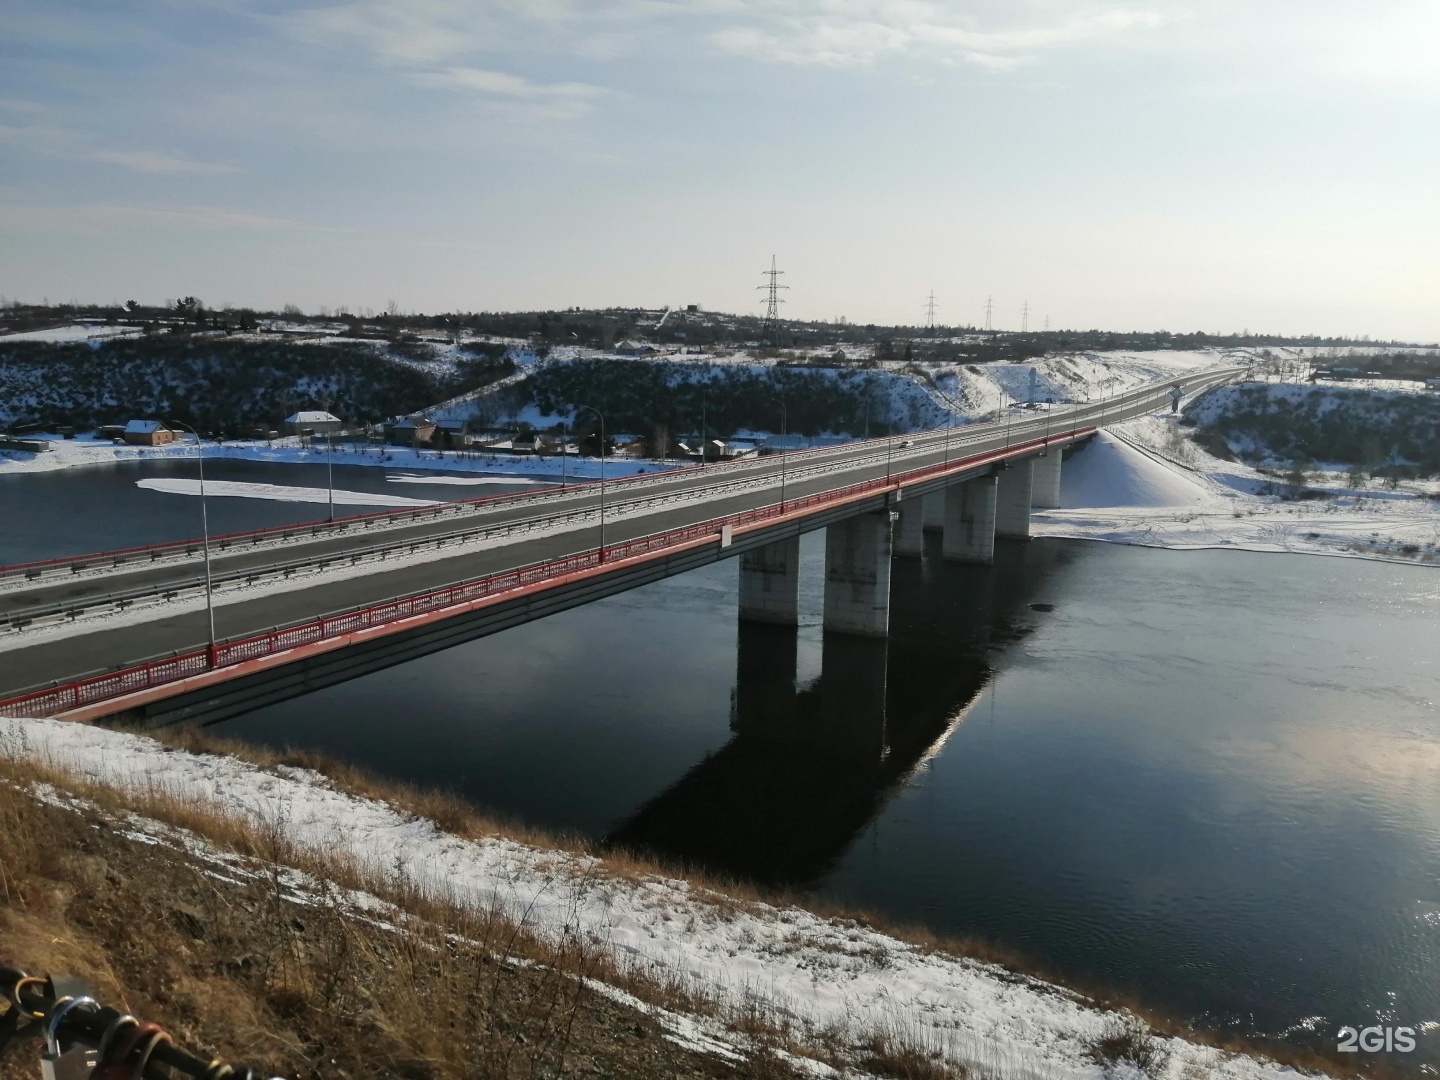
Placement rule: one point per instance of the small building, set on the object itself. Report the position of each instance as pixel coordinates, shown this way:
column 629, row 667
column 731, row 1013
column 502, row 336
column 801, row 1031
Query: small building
column 453, row 435
column 313, row 422
column 1432, row 384
column 148, row 433
column 411, row 431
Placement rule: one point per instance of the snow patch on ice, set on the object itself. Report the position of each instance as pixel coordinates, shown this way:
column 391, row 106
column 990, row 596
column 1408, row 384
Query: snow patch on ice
column 238, row 489
column 467, row 481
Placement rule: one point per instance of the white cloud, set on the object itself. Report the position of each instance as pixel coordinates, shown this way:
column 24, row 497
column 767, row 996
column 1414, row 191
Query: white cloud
column 862, row 32
column 99, row 217
column 158, row 164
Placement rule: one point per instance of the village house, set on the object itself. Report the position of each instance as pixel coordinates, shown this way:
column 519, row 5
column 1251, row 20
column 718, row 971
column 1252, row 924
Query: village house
column 147, row 433
column 313, row 422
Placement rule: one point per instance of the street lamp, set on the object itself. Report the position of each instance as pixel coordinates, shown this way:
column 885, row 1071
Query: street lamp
column 330, row 474
column 205, row 532
column 784, row 425
column 602, row 476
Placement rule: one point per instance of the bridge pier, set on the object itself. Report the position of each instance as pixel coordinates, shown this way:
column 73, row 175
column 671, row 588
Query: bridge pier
column 934, row 513
column 1045, row 494
column 909, row 530
column 970, row 521
column 770, row 583
column 857, row 575
column 1012, row 499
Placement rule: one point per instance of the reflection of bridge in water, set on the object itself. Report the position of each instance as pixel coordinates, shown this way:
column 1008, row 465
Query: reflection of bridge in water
column 810, row 766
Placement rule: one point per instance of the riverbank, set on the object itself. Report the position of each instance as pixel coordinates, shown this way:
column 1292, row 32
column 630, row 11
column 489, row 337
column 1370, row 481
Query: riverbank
column 84, row 451
column 741, row 979
column 1145, row 482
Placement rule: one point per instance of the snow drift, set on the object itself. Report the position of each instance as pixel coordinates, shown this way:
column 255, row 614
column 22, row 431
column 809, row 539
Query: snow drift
column 1110, row 473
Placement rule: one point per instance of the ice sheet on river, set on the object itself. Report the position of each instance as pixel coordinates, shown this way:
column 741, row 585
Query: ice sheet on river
column 277, row 492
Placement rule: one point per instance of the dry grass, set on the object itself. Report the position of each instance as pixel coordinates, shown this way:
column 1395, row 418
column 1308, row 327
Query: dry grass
column 295, row 980
column 674, row 991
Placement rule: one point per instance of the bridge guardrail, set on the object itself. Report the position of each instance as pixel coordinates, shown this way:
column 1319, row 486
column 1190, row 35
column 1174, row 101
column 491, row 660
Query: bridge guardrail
column 150, row 674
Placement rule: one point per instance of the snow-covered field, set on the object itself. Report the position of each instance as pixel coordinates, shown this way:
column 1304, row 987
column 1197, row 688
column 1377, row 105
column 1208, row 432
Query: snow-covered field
column 1144, row 483
column 72, row 332
column 819, row 973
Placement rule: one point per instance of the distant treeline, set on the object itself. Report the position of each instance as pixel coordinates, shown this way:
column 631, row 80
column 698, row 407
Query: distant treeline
column 639, row 397
column 220, row 385
column 1381, row 433
column 602, row 328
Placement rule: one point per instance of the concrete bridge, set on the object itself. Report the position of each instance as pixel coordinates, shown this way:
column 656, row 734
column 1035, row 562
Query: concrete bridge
column 301, row 608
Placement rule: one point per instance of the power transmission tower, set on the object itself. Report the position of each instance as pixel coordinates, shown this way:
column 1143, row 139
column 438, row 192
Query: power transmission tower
column 930, row 312
column 770, row 329
column 1047, row 324
column 1025, row 317
column 989, row 310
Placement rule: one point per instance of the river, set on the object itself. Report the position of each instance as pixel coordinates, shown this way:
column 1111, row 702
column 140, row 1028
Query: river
column 1209, row 781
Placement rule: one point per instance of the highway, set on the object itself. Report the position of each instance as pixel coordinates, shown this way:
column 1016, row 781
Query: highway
column 59, row 624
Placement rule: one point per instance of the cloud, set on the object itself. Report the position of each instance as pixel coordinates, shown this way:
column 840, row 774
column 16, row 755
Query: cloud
column 504, row 85
column 158, row 164
column 98, row 217
column 863, row 32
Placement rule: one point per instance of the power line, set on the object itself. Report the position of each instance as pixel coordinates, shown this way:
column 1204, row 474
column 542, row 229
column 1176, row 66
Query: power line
column 930, row 311
column 770, row 328
column 989, row 310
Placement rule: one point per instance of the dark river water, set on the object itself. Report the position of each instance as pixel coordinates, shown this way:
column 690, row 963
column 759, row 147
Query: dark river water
column 1209, row 781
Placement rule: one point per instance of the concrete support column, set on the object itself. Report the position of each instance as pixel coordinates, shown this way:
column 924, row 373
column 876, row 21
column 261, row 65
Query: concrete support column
column 1012, row 499
column 1045, row 494
column 857, row 575
column 909, row 534
column 970, row 521
column 770, row 583
column 934, row 511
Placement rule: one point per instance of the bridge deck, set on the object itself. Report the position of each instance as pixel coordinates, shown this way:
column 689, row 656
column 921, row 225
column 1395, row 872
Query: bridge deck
column 566, row 523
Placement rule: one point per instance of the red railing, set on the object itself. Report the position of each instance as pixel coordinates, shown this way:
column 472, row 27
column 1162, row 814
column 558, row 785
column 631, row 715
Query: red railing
column 82, row 692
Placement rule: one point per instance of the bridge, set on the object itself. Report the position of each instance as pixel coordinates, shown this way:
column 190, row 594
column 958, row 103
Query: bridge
column 299, row 608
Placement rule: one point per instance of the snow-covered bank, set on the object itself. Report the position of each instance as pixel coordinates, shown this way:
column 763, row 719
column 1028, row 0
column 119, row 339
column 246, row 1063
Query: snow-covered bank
column 1145, row 484
column 820, row 973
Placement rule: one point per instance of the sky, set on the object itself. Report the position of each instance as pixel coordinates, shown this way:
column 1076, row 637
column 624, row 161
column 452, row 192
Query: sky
column 1216, row 165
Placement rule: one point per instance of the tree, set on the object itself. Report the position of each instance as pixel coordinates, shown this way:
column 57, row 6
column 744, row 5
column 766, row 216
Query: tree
column 1297, row 477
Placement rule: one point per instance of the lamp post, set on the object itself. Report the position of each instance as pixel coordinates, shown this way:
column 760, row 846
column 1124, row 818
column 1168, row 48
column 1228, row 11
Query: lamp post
column 784, row 426
column 205, row 533
column 330, row 474
column 602, row 475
